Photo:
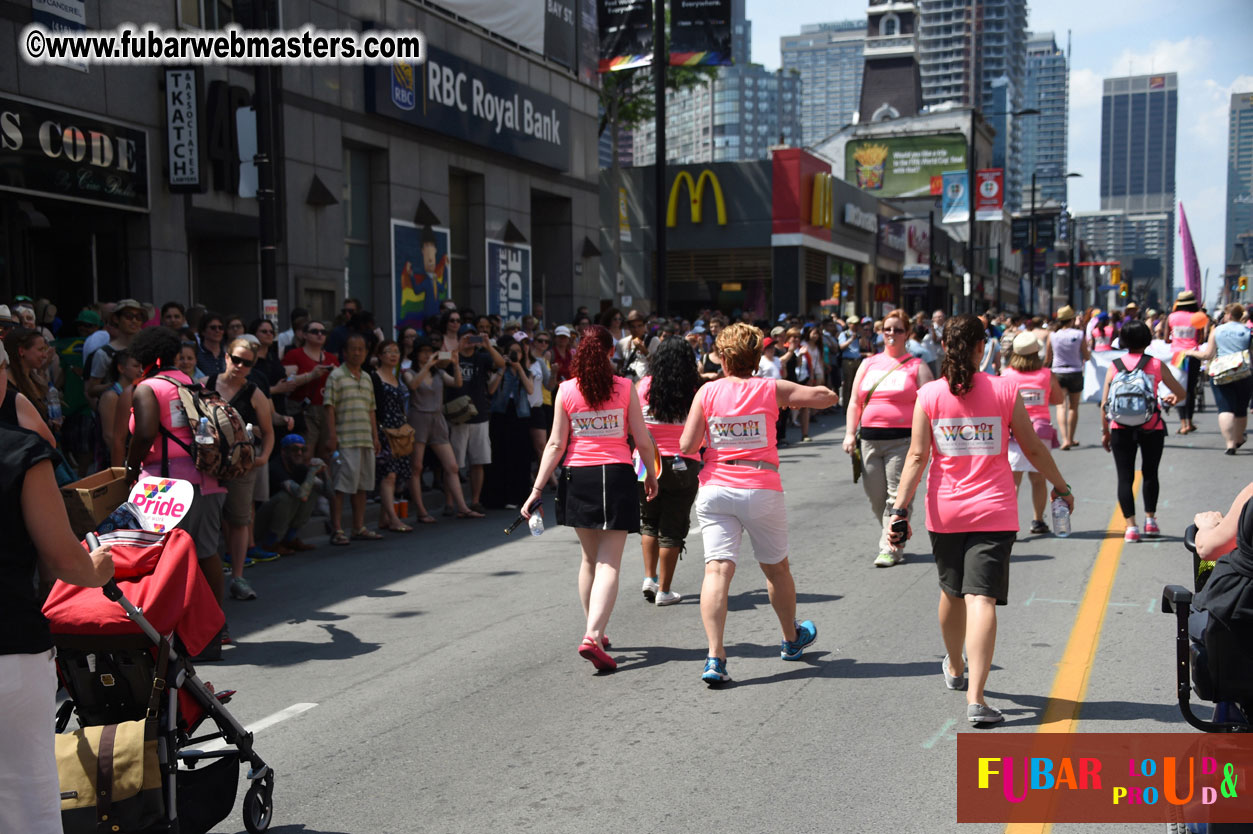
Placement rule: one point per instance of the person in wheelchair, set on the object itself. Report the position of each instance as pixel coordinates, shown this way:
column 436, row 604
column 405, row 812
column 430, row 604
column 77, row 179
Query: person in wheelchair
column 1227, row 540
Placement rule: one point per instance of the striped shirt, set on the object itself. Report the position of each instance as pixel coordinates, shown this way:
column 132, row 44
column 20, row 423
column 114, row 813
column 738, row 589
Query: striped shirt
column 352, row 397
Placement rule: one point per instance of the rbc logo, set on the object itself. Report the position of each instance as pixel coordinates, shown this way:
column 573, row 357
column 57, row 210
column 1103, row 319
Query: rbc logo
column 403, row 91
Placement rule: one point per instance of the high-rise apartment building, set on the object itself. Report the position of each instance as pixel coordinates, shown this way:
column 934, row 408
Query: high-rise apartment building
column 1240, row 180
column 828, row 57
column 1138, row 115
column 626, row 148
column 1044, row 147
column 739, row 115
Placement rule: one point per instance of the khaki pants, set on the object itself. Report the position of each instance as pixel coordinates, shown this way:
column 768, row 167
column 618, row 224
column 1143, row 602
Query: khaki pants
column 882, row 462
column 284, row 513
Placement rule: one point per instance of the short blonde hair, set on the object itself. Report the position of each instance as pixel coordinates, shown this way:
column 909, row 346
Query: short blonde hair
column 739, row 345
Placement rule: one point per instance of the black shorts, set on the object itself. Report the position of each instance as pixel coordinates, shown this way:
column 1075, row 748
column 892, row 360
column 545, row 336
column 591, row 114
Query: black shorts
column 1233, row 397
column 599, row 497
column 1072, row 382
column 542, row 417
column 667, row 517
column 974, row 563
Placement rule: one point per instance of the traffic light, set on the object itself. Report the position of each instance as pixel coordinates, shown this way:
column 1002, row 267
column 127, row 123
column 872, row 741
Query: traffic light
column 1244, row 283
column 1122, row 290
column 1115, row 275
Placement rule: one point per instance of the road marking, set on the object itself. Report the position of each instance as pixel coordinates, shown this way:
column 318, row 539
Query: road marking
column 1070, row 684
column 944, row 731
column 258, row 726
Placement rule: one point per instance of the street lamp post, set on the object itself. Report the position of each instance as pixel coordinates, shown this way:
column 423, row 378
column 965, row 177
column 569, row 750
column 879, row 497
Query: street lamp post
column 1050, row 174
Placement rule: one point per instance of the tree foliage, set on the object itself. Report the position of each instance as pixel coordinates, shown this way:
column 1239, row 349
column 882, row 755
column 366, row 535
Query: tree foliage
column 629, row 93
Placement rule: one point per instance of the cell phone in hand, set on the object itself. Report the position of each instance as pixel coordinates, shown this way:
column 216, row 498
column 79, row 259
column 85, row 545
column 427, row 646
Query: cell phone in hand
column 900, row 528
column 444, row 355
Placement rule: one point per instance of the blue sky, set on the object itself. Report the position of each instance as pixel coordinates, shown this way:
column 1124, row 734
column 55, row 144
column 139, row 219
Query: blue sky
column 1206, row 42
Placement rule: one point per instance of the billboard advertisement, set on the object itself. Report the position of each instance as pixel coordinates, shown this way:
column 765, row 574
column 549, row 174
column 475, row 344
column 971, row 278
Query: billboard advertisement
column 508, row 279
column 421, row 272
column 700, row 33
column 626, row 34
column 904, row 166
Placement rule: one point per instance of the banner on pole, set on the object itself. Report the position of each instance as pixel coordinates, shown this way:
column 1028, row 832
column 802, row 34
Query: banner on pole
column 955, row 199
column 989, row 194
column 700, row 33
column 508, row 279
column 626, row 34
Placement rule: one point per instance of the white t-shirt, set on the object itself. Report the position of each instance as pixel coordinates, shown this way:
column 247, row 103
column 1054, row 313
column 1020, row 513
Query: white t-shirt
column 770, row 368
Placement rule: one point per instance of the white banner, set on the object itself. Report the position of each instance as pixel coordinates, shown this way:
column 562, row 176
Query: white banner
column 521, row 21
column 1097, row 368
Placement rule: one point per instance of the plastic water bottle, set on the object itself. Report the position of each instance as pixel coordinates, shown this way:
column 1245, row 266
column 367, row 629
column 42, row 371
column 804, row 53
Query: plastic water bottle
column 1061, row 518
column 678, row 465
column 203, row 435
column 54, row 404
column 537, row 524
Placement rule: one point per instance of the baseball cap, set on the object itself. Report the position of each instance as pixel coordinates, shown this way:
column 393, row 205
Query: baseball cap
column 521, row 336
column 700, row 328
column 128, row 304
column 562, row 330
column 466, row 328
column 777, row 331
column 867, row 320
column 767, row 342
column 292, row 440
column 782, row 317
column 88, row 316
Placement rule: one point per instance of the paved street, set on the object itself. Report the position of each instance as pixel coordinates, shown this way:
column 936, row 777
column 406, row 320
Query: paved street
column 449, row 697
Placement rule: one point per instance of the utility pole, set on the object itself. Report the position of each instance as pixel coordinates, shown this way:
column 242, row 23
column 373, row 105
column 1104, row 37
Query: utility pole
column 661, row 57
column 267, row 210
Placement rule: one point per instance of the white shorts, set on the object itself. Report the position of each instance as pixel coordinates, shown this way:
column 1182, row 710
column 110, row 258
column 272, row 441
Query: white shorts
column 355, row 472
column 1017, row 460
column 471, row 443
column 725, row 513
column 30, row 790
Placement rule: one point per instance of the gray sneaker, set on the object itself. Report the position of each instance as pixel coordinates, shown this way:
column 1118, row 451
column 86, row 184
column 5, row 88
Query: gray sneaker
column 240, row 589
column 983, row 714
column 952, row 681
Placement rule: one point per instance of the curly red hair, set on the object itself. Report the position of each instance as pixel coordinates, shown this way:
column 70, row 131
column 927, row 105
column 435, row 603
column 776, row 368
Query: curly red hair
column 591, row 365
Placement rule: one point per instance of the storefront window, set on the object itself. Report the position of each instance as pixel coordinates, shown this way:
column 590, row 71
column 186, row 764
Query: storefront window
column 356, row 204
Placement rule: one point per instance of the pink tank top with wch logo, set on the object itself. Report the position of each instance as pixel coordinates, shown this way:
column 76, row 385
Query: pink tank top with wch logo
column 598, row 434
column 1182, row 332
column 740, row 417
column 1033, row 387
column 970, row 486
column 665, row 435
column 891, row 405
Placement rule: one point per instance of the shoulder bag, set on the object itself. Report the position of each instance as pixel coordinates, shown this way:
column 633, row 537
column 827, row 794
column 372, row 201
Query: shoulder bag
column 866, row 401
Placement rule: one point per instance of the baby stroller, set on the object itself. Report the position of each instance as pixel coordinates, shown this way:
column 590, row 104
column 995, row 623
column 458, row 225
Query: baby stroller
column 123, row 661
column 1212, row 661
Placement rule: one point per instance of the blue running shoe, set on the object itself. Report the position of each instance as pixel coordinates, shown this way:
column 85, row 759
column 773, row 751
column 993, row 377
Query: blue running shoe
column 806, row 633
column 715, row 671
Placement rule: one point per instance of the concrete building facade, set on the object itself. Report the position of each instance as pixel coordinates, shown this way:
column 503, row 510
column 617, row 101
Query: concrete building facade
column 828, row 57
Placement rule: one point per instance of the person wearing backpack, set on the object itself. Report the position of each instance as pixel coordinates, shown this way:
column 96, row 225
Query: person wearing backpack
column 160, row 429
column 1131, row 420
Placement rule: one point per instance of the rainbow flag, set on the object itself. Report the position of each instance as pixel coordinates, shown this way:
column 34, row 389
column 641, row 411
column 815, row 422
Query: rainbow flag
column 1178, row 359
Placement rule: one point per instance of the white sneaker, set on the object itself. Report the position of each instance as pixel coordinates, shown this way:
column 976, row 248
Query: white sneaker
column 650, row 588
column 884, row 560
column 668, row 597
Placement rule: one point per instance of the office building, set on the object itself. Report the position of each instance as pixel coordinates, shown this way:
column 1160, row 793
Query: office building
column 626, row 148
column 829, row 58
column 1142, row 242
column 1044, row 147
column 1240, row 180
column 965, row 45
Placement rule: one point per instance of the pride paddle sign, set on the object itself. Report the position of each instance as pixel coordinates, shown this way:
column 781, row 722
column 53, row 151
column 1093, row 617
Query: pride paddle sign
column 161, row 503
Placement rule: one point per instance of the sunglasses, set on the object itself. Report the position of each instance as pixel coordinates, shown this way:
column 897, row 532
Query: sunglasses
column 265, row 332
column 541, row 341
column 893, row 330
column 132, row 316
column 214, row 327
column 317, row 331
column 240, row 361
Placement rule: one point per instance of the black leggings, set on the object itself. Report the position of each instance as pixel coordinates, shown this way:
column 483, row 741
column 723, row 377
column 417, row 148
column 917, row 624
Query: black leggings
column 1193, row 375
column 1123, row 443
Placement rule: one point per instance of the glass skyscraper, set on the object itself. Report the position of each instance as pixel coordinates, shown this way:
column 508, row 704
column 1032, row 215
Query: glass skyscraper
column 1240, row 180
column 1044, row 147
column 829, row 58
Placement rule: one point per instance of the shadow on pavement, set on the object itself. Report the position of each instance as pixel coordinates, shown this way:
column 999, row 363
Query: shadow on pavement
column 1033, row 707
column 758, row 598
column 344, row 645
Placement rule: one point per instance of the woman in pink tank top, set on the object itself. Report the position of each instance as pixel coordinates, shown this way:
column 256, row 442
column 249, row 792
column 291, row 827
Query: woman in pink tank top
column 666, row 395
column 1038, row 389
column 597, row 493
column 740, row 491
column 880, row 416
column 1182, row 335
column 972, row 510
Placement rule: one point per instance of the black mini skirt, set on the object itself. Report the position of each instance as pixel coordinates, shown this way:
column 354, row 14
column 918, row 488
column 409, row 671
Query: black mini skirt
column 599, row 497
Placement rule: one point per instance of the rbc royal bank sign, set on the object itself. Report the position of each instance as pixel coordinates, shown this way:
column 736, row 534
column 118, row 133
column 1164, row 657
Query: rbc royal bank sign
column 452, row 96
column 508, row 279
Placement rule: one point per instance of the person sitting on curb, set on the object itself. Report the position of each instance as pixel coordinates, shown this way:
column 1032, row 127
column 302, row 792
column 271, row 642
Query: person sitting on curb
column 294, row 487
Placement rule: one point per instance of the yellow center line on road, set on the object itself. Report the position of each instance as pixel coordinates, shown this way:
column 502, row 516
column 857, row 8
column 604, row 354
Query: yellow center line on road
column 1070, row 685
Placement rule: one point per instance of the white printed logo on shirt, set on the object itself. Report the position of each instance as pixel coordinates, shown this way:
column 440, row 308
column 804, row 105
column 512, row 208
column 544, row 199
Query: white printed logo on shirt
column 178, row 415
column 746, row 432
column 598, row 423
column 961, row 436
column 892, row 381
column 1032, row 396
column 1183, row 333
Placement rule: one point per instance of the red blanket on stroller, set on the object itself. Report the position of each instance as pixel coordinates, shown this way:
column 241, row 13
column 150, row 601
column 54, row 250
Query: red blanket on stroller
column 159, row 574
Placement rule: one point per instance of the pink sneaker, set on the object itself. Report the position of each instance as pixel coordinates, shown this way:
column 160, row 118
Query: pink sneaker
column 1151, row 530
column 1132, row 535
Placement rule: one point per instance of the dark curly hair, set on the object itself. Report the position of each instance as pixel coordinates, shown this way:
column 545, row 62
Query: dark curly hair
column 591, row 365
column 675, row 380
column 156, row 349
column 961, row 334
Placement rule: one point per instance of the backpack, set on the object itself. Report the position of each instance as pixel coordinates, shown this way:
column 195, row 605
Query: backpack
column 231, row 454
column 1132, row 397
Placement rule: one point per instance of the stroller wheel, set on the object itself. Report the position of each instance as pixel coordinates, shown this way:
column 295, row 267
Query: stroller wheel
column 259, row 806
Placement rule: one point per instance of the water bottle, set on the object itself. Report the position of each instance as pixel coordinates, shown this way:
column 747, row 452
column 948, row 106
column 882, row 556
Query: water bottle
column 54, row 404
column 203, row 435
column 678, row 464
column 1061, row 518
column 537, row 524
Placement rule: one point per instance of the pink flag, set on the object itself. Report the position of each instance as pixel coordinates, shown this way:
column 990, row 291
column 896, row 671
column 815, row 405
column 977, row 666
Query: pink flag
column 1191, row 269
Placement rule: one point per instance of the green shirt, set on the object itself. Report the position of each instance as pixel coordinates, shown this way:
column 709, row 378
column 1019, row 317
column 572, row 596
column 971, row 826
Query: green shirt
column 353, row 401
